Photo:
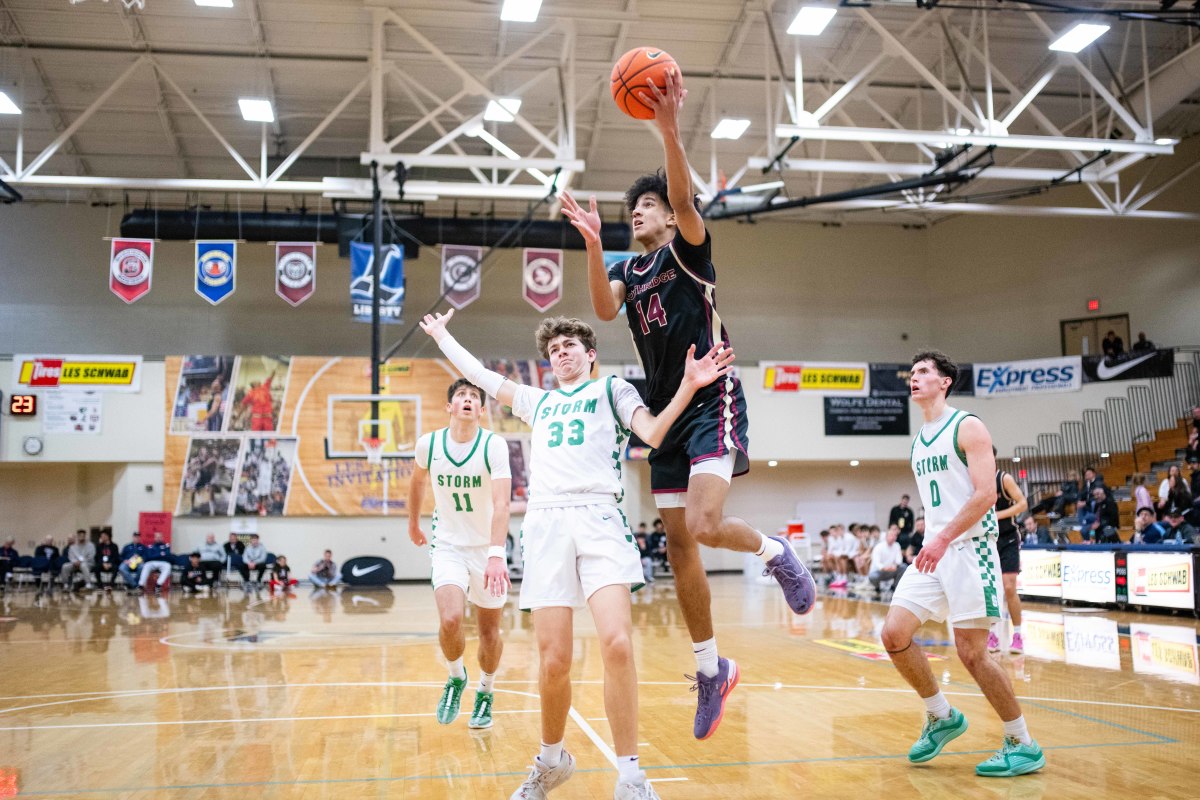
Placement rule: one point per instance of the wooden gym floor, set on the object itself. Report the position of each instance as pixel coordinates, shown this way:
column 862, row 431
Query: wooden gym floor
column 332, row 696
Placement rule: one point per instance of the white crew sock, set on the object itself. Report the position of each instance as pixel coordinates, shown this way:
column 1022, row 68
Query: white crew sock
column 551, row 754
column 628, row 770
column 769, row 548
column 486, row 681
column 1016, row 630
column 939, row 706
column 706, row 657
column 1017, row 730
column 457, row 670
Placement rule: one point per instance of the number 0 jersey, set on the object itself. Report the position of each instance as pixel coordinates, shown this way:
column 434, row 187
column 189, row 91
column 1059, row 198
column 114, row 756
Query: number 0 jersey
column 461, row 474
column 940, row 468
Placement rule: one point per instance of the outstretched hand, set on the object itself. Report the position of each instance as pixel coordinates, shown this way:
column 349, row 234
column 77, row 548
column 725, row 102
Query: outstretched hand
column 667, row 101
column 700, row 372
column 586, row 222
column 435, row 325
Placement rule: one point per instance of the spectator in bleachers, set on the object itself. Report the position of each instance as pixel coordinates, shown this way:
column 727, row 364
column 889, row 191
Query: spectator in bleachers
column 1146, row 527
column 1179, row 531
column 234, row 547
column 1091, row 479
column 1100, row 517
column 1141, row 495
column 658, row 544
column 1192, row 454
column 868, row 537
column 845, row 548
column 8, row 560
column 1113, row 345
column 917, row 541
column 133, row 555
column 212, row 557
column 47, row 550
column 1142, row 344
column 828, row 562
column 1173, row 490
column 108, row 557
column 643, row 545
column 195, row 577
column 887, row 562
column 254, row 557
column 1196, row 418
column 1034, row 534
column 81, row 554
column 324, row 572
column 158, row 559
column 902, row 515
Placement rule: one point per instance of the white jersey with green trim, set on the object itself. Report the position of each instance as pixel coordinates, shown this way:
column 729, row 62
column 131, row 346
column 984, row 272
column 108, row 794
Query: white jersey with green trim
column 461, row 474
column 578, row 440
column 940, row 467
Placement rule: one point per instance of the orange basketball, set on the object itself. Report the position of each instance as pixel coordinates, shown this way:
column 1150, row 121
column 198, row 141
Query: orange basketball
column 632, row 74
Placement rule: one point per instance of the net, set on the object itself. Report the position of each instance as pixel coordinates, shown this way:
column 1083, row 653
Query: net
column 374, row 450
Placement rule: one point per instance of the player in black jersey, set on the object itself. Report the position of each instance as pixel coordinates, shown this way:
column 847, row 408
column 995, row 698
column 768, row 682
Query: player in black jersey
column 669, row 294
column 1010, row 503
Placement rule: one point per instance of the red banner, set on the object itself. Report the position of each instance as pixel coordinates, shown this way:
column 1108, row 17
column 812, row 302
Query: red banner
column 130, row 268
column 295, row 271
column 150, row 522
column 461, row 281
column 543, row 274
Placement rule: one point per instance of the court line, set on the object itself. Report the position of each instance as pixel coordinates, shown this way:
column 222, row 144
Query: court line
column 157, row 723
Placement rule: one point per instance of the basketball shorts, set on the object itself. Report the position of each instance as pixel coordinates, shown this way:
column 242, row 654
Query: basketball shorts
column 964, row 588
column 713, row 427
column 1009, row 548
column 571, row 551
column 463, row 566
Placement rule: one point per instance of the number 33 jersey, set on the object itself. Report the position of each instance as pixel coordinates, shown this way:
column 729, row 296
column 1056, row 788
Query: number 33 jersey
column 940, row 467
column 461, row 474
column 579, row 434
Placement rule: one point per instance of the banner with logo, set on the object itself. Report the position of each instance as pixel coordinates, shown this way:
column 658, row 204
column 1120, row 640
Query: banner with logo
column 542, row 273
column 130, row 268
column 295, row 271
column 1090, row 577
column 1166, row 650
column 462, row 282
column 1044, row 635
column 1166, row 580
column 1037, row 376
column 362, row 283
column 97, row 373
column 216, row 270
column 1129, row 366
column 817, row 377
column 1041, row 573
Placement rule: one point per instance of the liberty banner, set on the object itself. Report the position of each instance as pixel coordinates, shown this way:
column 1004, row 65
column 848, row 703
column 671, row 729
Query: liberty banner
column 362, row 283
column 216, row 270
column 543, row 275
column 131, row 268
column 295, row 271
column 461, row 281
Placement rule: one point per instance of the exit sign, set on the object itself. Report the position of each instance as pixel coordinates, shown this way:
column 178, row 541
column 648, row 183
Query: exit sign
column 1093, row 304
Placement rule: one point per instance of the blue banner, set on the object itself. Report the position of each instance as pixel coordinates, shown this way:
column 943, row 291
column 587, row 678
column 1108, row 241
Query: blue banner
column 216, row 270
column 391, row 279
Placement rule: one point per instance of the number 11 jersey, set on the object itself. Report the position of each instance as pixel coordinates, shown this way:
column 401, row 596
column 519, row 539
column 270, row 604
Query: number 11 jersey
column 461, row 474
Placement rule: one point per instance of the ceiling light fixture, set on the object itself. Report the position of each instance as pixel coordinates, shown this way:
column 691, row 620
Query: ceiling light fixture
column 854, row 463
column 520, row 10
column 215, row 3
column 7, row 106
column 811, row 20
column 1078, row 37
column 256, row 110
column 772, row 463
column 730, row 128
column 502, row 110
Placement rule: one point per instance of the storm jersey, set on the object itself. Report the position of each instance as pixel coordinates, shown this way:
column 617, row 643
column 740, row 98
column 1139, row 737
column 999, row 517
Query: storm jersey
column 578, row 438
column 461, row 475
column 671, row 304
column 940, row 468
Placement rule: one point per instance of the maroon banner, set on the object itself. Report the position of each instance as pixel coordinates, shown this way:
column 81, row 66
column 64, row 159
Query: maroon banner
column 151, row 522
column 461, row 281
column 542, row 277
column 295, row 271
column 130, row 268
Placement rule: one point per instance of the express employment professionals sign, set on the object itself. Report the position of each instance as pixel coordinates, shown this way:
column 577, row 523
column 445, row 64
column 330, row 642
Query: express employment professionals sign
column 1038, row 376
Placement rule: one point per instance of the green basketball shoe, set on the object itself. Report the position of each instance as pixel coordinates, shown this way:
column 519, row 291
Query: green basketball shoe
column 447, row 710
column 935, row 735
column 481, row 717
column 1013, row 758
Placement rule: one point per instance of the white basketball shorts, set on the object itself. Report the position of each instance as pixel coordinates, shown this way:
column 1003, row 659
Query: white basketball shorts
column 962, row 589
column 463, row 566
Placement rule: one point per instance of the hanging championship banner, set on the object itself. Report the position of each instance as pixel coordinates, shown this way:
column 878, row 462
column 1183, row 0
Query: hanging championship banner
column 391, row 279
column 216, row 270
column 461, row 281
column 130, row 268
column 295, row 271
column 542, row 285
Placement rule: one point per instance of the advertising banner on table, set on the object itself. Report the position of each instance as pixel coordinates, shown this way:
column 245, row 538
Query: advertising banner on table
column 1167, row 580
column 462, row 282
column 1044, row 635
column 816, row 377
column 362, row 283
column 866, row 416
column 1092, row 641
column 73, row 412
column 295, row 271
column 1041, row 573
column 542, row 277
column 130, row 268
column 96, row 373
column 216, row 270
column 1168, row 651
column 1038, row 376
column 1129, row 366
column 1090, row 577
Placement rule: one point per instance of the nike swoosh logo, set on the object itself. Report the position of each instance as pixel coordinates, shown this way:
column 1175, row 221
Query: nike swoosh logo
column 1104, row 372
column 358, row 599
column 359, row 572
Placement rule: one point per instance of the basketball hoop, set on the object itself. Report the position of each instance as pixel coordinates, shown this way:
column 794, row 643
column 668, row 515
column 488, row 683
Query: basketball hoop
column 129, row 4
column 374, row 449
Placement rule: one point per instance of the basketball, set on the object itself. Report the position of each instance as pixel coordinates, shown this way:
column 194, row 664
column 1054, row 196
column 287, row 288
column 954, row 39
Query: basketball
column 632, row 74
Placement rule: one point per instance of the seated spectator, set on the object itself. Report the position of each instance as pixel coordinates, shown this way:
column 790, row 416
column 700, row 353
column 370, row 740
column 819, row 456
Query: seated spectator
column 281, row 576
column 1178, row 530
column 1192, row 455
column 643, row 546
column 1168, row 490
column 254, row 558
column 8, row 560
column 81, row 554
column 1034, row 534
column 1194, row 486
column 1091, row 479
column 158, row 559
column 233, row 550
column 887, row 561
column 48, row 551
column 916, row 542
column 133, row 556
column 212, row 557
column 108, row 557
column 868, row 537
column 827, row 559
column 1112, row 345
column 195, row 577
column 846, row 548
column 1142, row 344
column 1100, row 517
column 324, row 572
column 1146, row 527
column 658, row 545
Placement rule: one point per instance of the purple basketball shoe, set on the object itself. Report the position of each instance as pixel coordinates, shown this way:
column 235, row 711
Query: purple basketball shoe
column 799, row 588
